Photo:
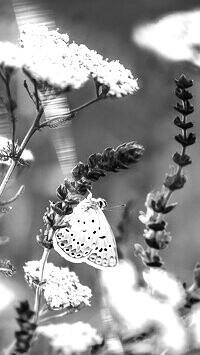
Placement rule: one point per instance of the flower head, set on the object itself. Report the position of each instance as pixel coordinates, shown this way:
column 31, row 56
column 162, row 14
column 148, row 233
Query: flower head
column 51, row 58
column 70, row 338
column 118, row 80
column 62, row 288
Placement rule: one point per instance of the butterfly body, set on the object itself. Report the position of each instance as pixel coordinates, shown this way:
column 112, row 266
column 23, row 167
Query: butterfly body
column 89, row 237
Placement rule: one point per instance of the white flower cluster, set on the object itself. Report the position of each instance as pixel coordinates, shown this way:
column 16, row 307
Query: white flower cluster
column 113, row 75
column 62, row 288
column 70, row 338
column 48, row 57
column 161, row 283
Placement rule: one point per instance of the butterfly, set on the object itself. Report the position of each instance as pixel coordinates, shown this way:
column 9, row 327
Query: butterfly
column 89, row 237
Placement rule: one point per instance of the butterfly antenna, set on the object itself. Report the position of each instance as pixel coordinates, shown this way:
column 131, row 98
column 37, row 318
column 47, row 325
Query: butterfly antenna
column 117, row 206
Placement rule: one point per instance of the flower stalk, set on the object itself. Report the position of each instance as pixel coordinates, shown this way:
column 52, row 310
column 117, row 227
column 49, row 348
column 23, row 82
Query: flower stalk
column 155, row 233
column 39, row 286
column 34, row 127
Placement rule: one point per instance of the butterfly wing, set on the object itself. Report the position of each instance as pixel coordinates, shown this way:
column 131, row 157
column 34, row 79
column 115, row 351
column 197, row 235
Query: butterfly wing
column 75, row 243
column 104, row 253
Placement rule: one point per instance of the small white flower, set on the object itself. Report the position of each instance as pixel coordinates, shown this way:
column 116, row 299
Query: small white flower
column 165, row 285
column 62, row 288
column 149, row 216
column 70, row 338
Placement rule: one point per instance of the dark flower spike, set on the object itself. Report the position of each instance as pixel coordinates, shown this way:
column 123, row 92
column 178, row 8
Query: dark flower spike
column 183, row 94
column 186, row 141
column 157, row 239
column 185, row 109
column 155, row 235
column 181, row 160
column 61, row 192
column 175, row 182
column 160, row 226
column 110, row 160
column 183, row 125
column 159, row 206
column 24, row 336
column 183, row 82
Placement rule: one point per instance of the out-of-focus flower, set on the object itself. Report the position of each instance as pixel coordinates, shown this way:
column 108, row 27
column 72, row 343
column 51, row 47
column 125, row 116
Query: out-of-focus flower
column 162, row 284
column 175, row 36
column 11, row 55
column 62, row 288
column 124, row 272
column 134, row 311
column 70, row 338
column 195, row 325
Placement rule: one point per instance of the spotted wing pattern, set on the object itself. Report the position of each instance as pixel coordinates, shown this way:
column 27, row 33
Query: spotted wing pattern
column 89, row 237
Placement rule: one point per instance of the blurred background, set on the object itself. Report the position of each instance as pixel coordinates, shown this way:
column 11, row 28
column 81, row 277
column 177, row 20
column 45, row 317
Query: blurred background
column 146, row 117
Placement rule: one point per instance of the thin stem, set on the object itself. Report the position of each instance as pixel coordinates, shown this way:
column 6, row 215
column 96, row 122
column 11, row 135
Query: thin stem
column 28, row 91
column 14, row 198
column 2, row 76
column 86, row 104
column 38, row 290
column 65, row 312
column 12, row 108
column 9, row 350
column 44, row 124
column 31, row 131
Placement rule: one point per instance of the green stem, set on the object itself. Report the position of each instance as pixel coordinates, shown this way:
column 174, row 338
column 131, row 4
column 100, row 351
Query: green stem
column 64, row 313
column 38, row 290
column 9, row 350
column 13, row 118
column 46, row 123
column 31, row 131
